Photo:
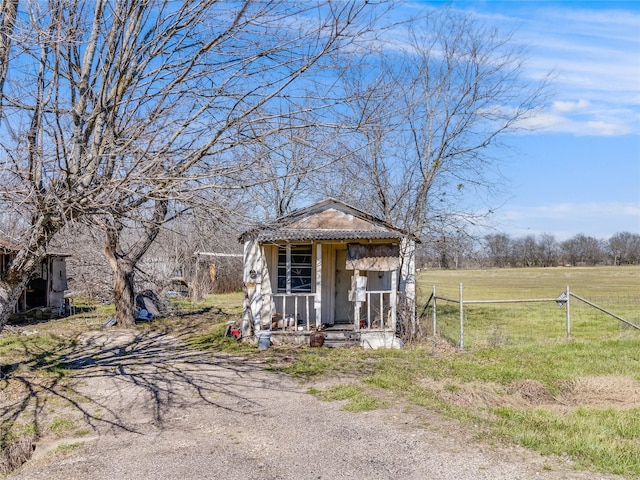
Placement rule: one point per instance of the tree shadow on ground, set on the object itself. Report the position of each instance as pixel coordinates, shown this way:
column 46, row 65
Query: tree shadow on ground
column 123, row 381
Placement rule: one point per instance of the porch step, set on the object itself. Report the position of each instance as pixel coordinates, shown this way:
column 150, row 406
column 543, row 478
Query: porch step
column 334, row 338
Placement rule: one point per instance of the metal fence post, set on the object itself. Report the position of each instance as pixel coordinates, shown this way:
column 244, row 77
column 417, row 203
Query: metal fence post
column 568, row 293
column 461, row 318
column 434, row 311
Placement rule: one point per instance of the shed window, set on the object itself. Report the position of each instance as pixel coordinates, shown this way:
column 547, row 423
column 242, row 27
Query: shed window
column 294, row 268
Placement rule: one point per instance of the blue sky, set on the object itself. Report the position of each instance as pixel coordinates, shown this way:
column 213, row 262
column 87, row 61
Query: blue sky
column 579, row 172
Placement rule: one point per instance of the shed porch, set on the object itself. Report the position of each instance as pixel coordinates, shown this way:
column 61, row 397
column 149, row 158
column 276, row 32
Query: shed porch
column 339, row 336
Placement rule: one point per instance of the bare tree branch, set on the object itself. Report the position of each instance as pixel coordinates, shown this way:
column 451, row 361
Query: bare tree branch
column 111, row 109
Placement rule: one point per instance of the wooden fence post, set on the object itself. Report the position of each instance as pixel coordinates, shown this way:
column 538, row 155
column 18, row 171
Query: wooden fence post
column 461, row 317
column 434, row 311
column 568, row 293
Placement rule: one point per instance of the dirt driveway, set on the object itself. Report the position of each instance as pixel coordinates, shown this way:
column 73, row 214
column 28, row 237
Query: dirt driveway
column 156, row 410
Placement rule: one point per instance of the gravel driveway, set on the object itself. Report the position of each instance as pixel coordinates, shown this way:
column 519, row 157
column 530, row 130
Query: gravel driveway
column 155, row 410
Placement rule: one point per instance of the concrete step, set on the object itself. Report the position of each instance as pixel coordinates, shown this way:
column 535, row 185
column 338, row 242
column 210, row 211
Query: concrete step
column 339, row 334
column 335, row 338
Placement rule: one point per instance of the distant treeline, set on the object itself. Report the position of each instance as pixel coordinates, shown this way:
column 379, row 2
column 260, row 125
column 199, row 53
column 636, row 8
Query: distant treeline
column 502, row 250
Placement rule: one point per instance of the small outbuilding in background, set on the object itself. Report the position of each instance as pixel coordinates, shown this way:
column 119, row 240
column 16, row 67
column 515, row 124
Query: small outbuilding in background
column 48, row 284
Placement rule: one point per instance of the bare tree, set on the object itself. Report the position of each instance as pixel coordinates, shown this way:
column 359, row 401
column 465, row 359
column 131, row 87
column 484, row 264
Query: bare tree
column 110, row 110
column 198, row 253
column 548, row 250
column 624, row 248
column 448, row 244
column 429, row 107
column 8, row 14
column 288, row 164
column 524, row 251
column 123, row 262
column 498, row 249
column 582, row 249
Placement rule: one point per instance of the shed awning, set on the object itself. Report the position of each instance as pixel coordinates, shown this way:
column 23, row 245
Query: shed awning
column 373, row 257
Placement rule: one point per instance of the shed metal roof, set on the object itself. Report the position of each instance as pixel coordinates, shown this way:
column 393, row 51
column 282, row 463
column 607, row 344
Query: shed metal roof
column 326, row 220
column 324, row 234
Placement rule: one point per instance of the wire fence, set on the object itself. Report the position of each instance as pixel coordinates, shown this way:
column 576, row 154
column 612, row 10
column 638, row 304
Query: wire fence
column 468, row 322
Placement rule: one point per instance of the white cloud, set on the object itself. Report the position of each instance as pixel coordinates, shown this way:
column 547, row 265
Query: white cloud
column 592, row 52
column 549, row 121
column 570, row 106
column 605, row 129
column 594, row 55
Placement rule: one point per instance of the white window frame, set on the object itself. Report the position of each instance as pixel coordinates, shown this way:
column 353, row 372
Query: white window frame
column 289, row 267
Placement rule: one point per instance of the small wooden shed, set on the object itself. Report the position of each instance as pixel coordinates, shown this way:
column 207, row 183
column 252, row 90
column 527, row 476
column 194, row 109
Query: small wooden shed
column 48, row 283
column 326, row 266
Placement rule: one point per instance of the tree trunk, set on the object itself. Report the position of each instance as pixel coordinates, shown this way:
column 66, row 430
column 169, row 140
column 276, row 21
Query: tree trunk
column 123, row 263
column 123, row 293
column 123, row 286
column 10, row 291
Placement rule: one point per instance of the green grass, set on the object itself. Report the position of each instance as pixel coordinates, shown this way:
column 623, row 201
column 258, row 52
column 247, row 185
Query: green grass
column 357, row 399
column 17, row 431
column 228, row 303
column 214, row 339
column 67, row 448
column 616, row 289
column 61, row 425
column 606, row 439
column 496, row 282
column 36, row 351
column 312, row 362
column 551, row 364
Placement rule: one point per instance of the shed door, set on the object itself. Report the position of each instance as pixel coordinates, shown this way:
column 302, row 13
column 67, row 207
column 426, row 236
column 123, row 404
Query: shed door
column 58, row 275
column 344, row 308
